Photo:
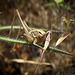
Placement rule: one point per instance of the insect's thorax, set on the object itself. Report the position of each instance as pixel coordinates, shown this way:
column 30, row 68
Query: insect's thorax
column 38, row 34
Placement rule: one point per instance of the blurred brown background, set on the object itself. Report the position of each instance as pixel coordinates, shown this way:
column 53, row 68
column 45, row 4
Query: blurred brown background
column 37, row 14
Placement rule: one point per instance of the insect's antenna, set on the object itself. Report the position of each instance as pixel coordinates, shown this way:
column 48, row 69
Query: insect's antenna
column 25, row 29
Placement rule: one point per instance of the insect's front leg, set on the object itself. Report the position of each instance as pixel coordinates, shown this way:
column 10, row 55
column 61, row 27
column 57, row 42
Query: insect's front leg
column 47, row 41
column 35, row 41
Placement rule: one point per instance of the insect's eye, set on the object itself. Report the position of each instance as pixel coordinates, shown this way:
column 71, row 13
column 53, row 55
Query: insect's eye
column 40, row 32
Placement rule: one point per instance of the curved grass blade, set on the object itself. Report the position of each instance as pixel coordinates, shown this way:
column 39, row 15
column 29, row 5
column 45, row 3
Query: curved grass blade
column 25, row 43
column 15, row 27
column 61, row 39
column 18, row 27
column 59, row 51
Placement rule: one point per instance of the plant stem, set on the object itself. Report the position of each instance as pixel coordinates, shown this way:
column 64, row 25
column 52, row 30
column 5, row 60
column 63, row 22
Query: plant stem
column 25, row 43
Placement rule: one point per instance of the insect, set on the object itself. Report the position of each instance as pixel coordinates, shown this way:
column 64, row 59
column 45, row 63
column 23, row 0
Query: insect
column 37, row 37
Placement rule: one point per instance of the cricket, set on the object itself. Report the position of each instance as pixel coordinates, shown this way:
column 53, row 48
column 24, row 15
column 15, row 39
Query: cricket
column 37, row 37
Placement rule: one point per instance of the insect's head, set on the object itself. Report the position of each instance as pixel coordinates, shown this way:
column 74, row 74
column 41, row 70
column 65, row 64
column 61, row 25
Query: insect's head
column 37, row 33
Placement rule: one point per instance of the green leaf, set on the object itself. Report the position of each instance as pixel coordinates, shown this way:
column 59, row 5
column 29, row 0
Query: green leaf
column 25, row 43
column 60, row 1
column 9, row 27
column 50, row 4
column 16, row 27
column 64, row 6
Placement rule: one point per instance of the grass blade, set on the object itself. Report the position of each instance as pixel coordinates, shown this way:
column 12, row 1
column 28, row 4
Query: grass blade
column 25, row 43
column 9, row 27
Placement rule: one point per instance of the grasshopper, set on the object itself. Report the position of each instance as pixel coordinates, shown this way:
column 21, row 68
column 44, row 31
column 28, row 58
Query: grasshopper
column 37, row 37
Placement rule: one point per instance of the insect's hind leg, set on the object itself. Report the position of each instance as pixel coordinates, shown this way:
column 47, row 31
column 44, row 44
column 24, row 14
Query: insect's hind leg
column 22, row 23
